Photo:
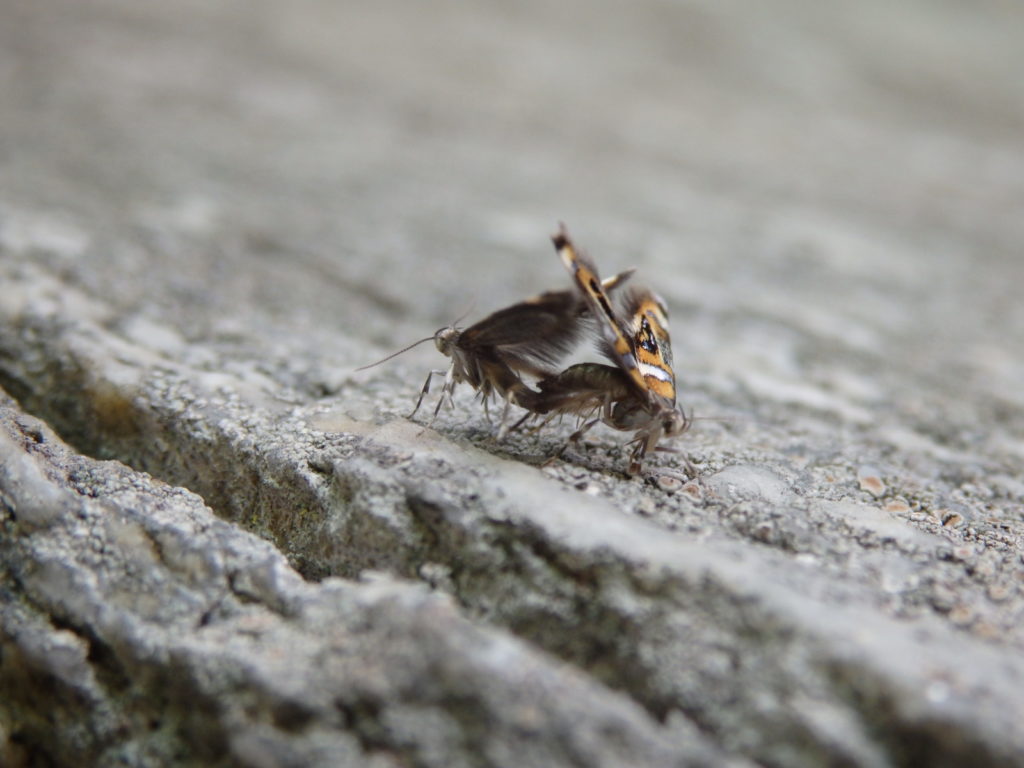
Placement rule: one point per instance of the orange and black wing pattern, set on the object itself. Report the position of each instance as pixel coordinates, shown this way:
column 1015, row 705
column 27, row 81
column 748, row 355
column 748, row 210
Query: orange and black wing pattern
column 648, row 326
column 636, row 339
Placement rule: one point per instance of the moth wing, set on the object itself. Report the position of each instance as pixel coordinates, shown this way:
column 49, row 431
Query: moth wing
column 617, row 342
column 648, row 327
column 533, row 336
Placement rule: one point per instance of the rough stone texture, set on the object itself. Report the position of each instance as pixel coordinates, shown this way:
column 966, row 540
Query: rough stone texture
column 152, row 632
column 210, row 214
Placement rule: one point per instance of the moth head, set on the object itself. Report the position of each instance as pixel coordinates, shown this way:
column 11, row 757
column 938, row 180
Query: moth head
column 675, row 422
column 445, row 339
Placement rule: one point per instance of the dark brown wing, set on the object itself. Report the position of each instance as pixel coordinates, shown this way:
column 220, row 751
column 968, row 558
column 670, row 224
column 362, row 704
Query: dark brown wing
column 533, row 336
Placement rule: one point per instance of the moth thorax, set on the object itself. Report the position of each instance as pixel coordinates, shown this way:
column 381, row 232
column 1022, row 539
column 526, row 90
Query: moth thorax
column 445, row 340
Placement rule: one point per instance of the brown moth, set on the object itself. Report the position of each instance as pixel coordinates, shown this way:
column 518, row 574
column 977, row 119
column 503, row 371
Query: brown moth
column 528, row 338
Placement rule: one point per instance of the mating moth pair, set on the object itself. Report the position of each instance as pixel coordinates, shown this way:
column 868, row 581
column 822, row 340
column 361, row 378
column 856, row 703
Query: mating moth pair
column 530, row 339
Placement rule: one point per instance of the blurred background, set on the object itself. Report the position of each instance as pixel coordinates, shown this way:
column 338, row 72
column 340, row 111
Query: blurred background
column 829, row 198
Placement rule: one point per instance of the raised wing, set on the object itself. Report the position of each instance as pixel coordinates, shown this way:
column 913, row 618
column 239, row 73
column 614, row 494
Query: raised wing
column 617, row 341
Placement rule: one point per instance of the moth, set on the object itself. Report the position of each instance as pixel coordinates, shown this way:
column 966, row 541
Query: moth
column 638, row 393
column 529, row 338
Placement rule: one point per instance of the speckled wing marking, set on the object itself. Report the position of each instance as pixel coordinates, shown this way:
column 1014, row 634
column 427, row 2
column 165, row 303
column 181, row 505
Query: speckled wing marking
column 648, row 321
column 619, row 345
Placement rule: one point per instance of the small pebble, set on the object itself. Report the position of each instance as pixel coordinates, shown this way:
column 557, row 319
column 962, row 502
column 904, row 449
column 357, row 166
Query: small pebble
column 942, row 598
column 693, row 490
column 646, row 507
column 963, row 552
column 987, row 630
column 764, row 531
column 952, row 520
column 669, row 483
column 998, row 592
column 962, row 615
column 985, row 570
column 870, row 481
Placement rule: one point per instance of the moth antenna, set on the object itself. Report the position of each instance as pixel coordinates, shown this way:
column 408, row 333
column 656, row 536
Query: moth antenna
column 395, row 354
column 459, row 319
column 462, row 317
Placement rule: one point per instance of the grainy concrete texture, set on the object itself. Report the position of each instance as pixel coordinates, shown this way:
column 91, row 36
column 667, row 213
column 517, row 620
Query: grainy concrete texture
column 220, row 545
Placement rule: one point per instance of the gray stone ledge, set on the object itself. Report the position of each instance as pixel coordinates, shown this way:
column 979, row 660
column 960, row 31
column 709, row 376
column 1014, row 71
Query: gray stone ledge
column 138, row 629
column 784, row 659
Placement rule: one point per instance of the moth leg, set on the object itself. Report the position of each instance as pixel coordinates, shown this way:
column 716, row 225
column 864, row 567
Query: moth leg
column 645, row 441
column 531, row 415
column 593, row 414
column 446, row 391
column 636, row 456
column 503, row 426
column 545, row 422
column 522, row 421
column 636, row 460
column 424, row 391
column 576, row 436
